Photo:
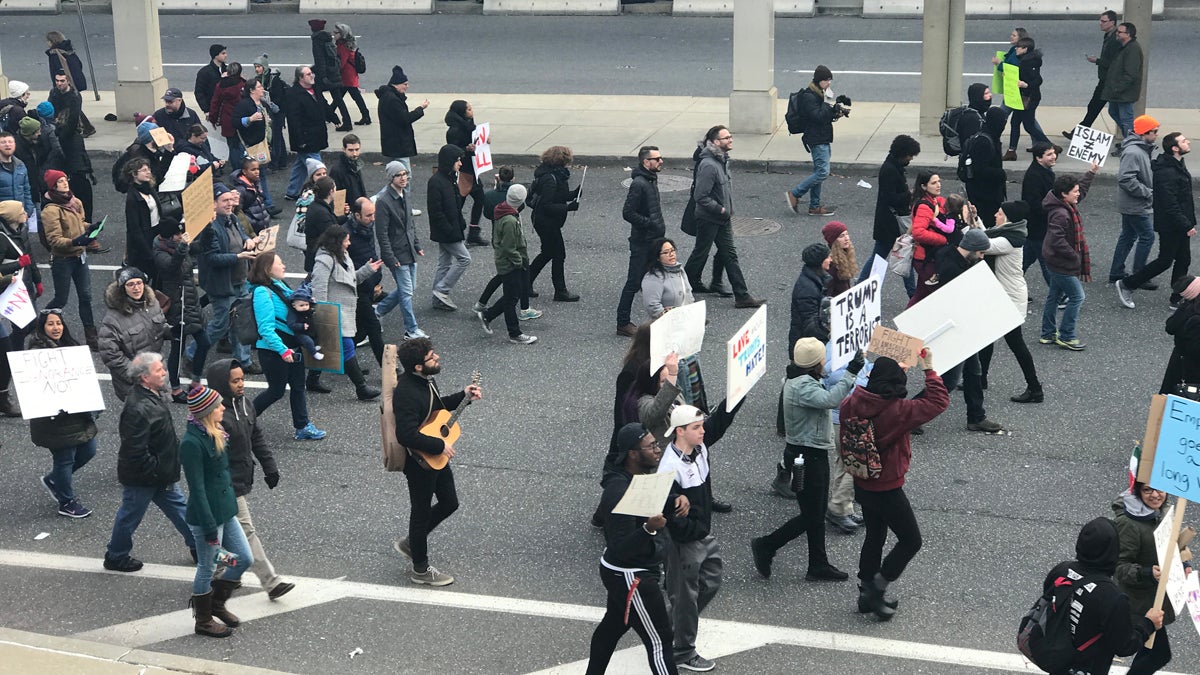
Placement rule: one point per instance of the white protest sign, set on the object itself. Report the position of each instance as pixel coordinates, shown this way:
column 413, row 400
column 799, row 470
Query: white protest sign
column 1192, row 587
column 1176, row 584
column 853, row 316
column 745, row 358
column 1089, row 145
column 482, row 138
column 879, row 268
column 646, row 495
column 962, row 317
column 15, row 303
column 49, row 381
column 680, row 330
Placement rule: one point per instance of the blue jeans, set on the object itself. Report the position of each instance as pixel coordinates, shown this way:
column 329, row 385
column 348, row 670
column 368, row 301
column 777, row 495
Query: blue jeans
column 812, row 184
column 1060, row 285
column 1032, row 127
column 237, row 152
column 453, row 260
column 883, row 249
column 66, row 462
column 299, row 173
column 218, row 325
column 280, row 376
column 1032, row 252
column 406, row 281
column 135, row 499
column 1140, row 228
column 1122, row 114
column 233, row 540
column 266, row 190
column 64, row 271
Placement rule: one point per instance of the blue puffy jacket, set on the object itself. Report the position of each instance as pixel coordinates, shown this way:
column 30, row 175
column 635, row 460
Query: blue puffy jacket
column 14, row 184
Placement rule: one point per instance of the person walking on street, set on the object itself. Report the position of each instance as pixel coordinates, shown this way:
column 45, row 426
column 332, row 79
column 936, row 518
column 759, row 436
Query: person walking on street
column 133, row 324
column 512, row 261
column 1137, row 513
column 460, row 130
column 224, row 252
column 1184, row 328
column 175, row 117
column 362, row 251
column 67, row 233
column 77, row 165
column 335, row 281
column 328, row 71
column 399, row 246
column 277, row 104
column 1065, row 251
column 62, row 59
column 1035, row 185
column 1135, row 199
column 1108, row 50
column 1123, row 82
column 643, row 212
column 397, row 138
column 1030, row 84
column 226, row 95
column 551, row 200
column 307, row 114
column 981, row 167
column 174, row 252
column 208, row 76
column 819, row 114
column 446, row 226
column 1006, row 241
column 347, row 169
column 893, row 200
column 252, row 118
column 348, row 62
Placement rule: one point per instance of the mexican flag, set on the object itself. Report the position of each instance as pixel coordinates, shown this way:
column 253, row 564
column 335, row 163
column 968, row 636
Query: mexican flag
column 1134, row 460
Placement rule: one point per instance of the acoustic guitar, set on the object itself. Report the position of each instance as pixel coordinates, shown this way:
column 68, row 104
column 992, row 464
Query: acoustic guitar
column 443, row 424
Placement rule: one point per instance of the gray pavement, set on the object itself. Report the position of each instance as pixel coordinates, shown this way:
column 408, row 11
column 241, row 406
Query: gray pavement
column 996, row 511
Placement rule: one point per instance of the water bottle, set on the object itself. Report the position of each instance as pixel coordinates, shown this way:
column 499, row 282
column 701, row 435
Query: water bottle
column 798, row 475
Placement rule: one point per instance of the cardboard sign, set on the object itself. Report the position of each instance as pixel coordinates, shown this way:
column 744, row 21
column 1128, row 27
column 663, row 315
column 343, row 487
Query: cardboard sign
column 161, row 137
column 853, row 316
column 1176, row 465
column 1089, row 145
column 482, row 139
column 49, row 381
column 962, row 317
column 895, row 345
column 327, row 316
column 15, row 303
column 680, row 330
column 199, row 207
column 270, row 236
column 646, row 495
column 1191, row 586
column 394, row 454
column 1176, row 584
column 745, row 358
column 339, row 203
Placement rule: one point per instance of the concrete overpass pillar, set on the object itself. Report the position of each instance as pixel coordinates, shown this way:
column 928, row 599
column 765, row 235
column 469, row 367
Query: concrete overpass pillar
column 140, row 81
column 935, row 92
column 1140, row 13
column 754, row 97
column 3, row 81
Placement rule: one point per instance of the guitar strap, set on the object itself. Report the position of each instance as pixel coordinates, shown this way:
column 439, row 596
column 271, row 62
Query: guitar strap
column 432, row 392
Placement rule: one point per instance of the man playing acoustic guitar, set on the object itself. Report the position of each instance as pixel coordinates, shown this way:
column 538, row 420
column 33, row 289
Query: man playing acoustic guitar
column 416, row 398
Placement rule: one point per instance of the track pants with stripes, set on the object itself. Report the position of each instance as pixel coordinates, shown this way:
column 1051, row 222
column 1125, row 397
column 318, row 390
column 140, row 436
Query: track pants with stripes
column 647, row 612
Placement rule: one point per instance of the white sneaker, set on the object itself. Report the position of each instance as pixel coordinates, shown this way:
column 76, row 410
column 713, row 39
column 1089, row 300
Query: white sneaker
column 528, row 314
column 430, row 577
column 416, row 212
column 412, row 335
column 523, row 339
column 1124, row 294
column 484, row 322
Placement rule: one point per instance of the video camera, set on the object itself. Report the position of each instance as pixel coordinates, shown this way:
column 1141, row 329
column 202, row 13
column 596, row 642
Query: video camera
column 841, row 105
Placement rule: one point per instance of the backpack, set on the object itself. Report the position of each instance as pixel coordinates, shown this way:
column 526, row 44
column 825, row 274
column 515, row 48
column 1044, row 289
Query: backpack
column 1044, row 635
column 966, row 168
column 6, row 117
column 859, row 455
column 794, row 115
column 952, row 143
column 533, row 198
column 242, row 319
column 360, row 62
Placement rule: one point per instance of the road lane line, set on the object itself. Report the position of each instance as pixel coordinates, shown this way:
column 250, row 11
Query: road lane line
column 114, row 268
column 259, row 37
column 914, row 42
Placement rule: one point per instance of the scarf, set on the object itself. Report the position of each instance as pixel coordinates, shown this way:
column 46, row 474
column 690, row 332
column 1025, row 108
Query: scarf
column 887, row 379
column 1081, row 246
column 66, row 201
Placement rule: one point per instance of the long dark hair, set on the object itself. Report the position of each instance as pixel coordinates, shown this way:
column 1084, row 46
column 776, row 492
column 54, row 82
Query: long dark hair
column 331, row 240
column 39, row 329
column 918, row 192
column 655, row 266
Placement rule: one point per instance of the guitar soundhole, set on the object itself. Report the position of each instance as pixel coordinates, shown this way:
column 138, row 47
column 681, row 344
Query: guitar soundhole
column 445, row 431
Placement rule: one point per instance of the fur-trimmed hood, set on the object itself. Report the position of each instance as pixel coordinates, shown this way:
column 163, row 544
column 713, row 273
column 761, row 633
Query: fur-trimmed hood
column 116, row 299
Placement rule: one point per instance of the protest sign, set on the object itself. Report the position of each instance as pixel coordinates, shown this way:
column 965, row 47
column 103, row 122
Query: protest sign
column 339, row 203
column 680, row 330
column 1089, row 145
column 1012, row 88
column 853, row 316
column 270, row 237
column 49, row 381
column 482, row 138
column 745, row 358
column 1176, row 467
column 1192, row 592
column 895, row 345
column 1167, row 537
column 1149, row 445
column 962, row 317
column 161, row 137
column 327, row 316
column 175, row 179
column 646, row 495
column 15, row 303
column 198, row 204
column 879, row 268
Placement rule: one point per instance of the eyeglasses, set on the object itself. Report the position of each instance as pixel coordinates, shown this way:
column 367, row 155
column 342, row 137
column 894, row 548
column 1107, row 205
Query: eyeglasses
column 135, row 283
column 655, row 159
column 667, row 251
column 1151, row 491
column 725, row 138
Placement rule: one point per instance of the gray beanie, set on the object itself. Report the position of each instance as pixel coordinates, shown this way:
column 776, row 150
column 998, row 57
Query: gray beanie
column 516, row 196
column 974, row 240
column 394, row 167
column 311, row 165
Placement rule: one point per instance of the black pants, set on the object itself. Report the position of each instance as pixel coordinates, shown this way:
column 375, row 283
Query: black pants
column 514, row 290
column 813, row 500
column 81, row 187
column 1174, row 248
column 970, row 373
column 356, row 94
column 366, row 324
column 423, row 485
column 1015, row 342
column 554, row 250
column 335, row 101
column 639, row 257
column 883, row 511
column 282, row 376
column 708, row 233
column 647, row 615
column 1095, row 106
column 1148, row 661
column 494, row 284
column 477, row 200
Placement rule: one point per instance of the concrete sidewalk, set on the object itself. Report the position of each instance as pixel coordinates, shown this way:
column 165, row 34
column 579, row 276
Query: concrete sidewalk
column 23, row 652
column 606, row 127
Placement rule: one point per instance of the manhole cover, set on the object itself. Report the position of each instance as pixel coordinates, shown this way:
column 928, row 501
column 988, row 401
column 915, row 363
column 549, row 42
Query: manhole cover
column 746, row 226
column 667, row 183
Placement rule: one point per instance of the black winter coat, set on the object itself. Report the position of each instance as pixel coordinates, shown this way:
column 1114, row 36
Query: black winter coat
column 446, row 223
column 206, row 84
column 1030, row 72
column 1174, row 209
column 806, row 307
column 396, row 123
column 307, row 115
column 320, row 217
column 64, row 51
column 643, row 208
column 63, row 430
column 246, row 439
column 362, row 250
column 139, row 237
column 173, row 266
column 326, row 66
column 159, row 161
column 257, row 131
column 149, row 453
column 554, row 195
column 347, row 175
column 1038, row 181
column 411, row 407
column 67, row 109
column 177, row 123
column 818, row 117
column 894, row 198
column 986, row 188
column 1184, row 363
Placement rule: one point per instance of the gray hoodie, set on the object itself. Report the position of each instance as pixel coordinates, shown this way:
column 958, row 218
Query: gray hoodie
column 1135, row 177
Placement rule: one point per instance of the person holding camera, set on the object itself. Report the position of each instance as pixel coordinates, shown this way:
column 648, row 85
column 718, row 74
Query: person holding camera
column 819, row 115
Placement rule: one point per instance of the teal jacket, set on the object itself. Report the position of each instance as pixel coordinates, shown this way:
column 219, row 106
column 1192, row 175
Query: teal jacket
column 211, row 502
column 807, row 409
column 270, row 312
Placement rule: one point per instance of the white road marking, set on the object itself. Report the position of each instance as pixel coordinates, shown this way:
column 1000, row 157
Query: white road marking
column 259, row 37
column 904, row 73
column 201, row 65
column 914, row 42
column 114, row 268
column 717, row 637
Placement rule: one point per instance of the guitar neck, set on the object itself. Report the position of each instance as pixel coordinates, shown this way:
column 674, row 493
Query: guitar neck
column 458, row 411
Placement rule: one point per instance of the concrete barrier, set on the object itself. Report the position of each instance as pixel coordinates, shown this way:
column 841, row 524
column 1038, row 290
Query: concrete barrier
column 1000, row 8
column 193, row 6
column 577, row 7
column 23, row 6
column 368, row 6
column 725, row 8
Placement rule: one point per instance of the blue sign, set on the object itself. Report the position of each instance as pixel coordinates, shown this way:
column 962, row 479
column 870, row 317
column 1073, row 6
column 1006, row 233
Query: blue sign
column 1177, row 458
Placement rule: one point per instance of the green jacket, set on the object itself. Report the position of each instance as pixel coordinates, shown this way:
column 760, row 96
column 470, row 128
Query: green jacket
column 1138, row 556
column 211, row 502
column 508, row 240
column 1123, row 83
column 1108, row 50
column 807, row 407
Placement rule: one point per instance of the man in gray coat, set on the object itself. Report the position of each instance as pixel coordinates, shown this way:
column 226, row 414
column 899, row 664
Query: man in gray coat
column 398, row 246
column 1135, row 199
column 713, row 192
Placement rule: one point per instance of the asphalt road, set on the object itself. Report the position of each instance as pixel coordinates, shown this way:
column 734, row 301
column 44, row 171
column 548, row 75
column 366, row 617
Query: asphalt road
column 625, row 55
column 996, row 511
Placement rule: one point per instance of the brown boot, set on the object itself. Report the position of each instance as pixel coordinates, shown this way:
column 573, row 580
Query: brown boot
column 92, row 336
column 1010, row 156
column 8, row 407
column 202, row 610
column 221, row 591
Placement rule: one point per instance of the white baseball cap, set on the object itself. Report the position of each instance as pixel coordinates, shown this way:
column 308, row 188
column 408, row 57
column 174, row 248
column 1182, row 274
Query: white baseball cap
column 684, row 415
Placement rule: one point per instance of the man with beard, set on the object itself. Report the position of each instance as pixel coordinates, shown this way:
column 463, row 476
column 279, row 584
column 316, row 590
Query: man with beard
column 643, row 212
column 175, row 117
column 68, row 105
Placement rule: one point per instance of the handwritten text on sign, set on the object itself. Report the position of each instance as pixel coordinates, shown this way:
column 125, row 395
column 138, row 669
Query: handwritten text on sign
column 49, row 381
column 1089, row 145
column 1177, row 457
column 853, row 318
column 745, row 358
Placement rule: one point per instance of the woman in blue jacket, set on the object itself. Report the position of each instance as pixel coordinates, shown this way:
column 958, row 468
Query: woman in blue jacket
column 277, row 349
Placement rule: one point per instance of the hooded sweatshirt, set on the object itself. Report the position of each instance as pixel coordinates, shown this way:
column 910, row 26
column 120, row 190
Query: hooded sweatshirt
column 1135, row 177
column 508, row 240
column 975, row 99
column 446, row 224
column 246, row 440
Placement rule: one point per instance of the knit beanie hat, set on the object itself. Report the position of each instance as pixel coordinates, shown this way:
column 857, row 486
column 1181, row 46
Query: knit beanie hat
column 516, row 196
column 143, row 131
column 29, row 126
column 1144, row 124
column 303, row 292
column 202, row 400
column 316, row 24
column 822, row 73
column 51, row 176
column 814, row 254
column 1098, row 545
column 398, row 76
column 394, row 168
column 215, row 49
column 1015, row 210
column 262, row 61
column 832, row 230
column 45, row 109
column 220, row 189
column 975, row 240
column 168, row 226
column 11, row 210
column 17, row 88
column 312, row 165
column 808, row 352
column 129, row 273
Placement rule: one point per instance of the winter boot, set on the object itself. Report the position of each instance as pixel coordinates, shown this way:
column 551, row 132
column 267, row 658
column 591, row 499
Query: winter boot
column 366, row 119
column 475, row 237
column 864, row 606
column 221, row 590
column 312, row 382
column 93, row 338
column 8, row 407
column 202, row 606
column 364, row 391
column 782, row 485
column 871, row 597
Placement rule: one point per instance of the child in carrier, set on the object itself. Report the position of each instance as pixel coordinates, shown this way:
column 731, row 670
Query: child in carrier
column 300, row 320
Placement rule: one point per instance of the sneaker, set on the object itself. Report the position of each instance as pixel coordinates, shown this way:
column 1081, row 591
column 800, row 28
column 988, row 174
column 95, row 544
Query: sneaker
column 414, row 334
column 858, row 520
column 1048, row 339
column 49, row 485
column 309, row 433
column 529, row 314
column 126, row 564
column 416, row 212
column 792, row 201
column 984, row 425
column 1062, row 305
column 363, row 342
column 843, row 523
column 401, row 546
column 697, row 663
column 74, row 509
column 627, row 330
column 478, row 306
column 822, row 211
column 443, row 301
column 430, row 577
column 1074, row 345
column 1125, row 295
column 484, row 322
column 522, row 339
column 280, row 589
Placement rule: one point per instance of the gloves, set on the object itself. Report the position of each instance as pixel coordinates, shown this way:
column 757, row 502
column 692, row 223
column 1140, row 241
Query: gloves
column 573, row 206
column 24, row 260
column 81, row 240
column 39, row 288
column 271, row 479
column 925, row 360
column 856, row 365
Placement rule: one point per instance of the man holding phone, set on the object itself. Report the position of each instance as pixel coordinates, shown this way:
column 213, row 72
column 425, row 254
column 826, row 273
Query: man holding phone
column 1108, row 24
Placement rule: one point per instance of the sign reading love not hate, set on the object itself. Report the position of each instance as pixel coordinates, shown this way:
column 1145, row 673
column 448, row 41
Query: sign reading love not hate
column 746, row 354
column 1176, row 468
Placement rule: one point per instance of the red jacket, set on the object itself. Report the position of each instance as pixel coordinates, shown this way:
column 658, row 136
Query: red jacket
column 924, row 232
column 894, row 419
column 346, row 65
column 220, row 111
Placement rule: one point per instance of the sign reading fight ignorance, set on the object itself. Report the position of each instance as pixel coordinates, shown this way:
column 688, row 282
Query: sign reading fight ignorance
column 1089, row 145
column 853, row 316
column 49, row 381
column 746, row 360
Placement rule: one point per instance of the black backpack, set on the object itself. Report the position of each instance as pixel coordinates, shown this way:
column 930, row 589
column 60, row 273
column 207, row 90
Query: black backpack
column 360, row 62
column 242, row 319
column 533, row 197
column 952, row 143
column 1044, row 635
column 795, row 114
